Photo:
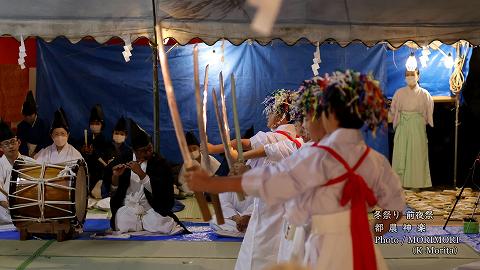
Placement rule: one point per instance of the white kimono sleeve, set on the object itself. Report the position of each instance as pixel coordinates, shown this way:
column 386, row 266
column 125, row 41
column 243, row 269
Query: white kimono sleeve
column 3, row 198
column 3, row 184
column 228, row 204
column 214, row 164
column 249, row 210
column 181, row 176
column 428, row 114
column 41, row 156
column 278, row 182
column 394, row 108
column 280, row 150
column 388, row 189
column 146, row 183
column 259, row 139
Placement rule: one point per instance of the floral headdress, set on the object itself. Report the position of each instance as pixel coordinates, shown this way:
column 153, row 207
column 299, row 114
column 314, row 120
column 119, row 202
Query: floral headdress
column 362, row 94
column 309, row 98
column 278, row 102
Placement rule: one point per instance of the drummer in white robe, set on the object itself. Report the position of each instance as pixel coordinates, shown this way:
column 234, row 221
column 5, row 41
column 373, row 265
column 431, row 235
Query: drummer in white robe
column 60, row 151
column 308, row 174
column 9, row 145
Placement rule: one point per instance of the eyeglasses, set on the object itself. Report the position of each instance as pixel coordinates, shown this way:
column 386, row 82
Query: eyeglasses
column 8, row 143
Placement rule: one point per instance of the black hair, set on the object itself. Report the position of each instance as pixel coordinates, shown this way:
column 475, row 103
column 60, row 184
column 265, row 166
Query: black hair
column 286, row 115
column 416, row 71
column 336, row 102
column 285, row 112
column 191, row 139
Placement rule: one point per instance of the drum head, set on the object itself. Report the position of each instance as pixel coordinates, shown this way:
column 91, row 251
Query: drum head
column 26, row 192
column 81, row 197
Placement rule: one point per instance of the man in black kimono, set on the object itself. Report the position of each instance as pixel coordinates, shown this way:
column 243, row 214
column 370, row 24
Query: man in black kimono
column 94, row 150
column 33, row 131
column 144, row 197
column 117, row 149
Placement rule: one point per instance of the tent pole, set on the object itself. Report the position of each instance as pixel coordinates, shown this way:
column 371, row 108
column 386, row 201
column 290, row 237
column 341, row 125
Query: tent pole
column 457, row 105
column 156, row 105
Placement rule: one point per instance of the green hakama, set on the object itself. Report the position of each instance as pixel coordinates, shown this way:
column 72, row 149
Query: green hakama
column 410, row 151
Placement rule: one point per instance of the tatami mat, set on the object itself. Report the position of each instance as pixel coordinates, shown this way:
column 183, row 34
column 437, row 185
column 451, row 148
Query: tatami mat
column 181, row 255
column 145, row 249
column 426, row 264
column 105, row 263
column 192, row 211
column 19, row 248
column 9, row 262
column 139, row 255
column 405, row 251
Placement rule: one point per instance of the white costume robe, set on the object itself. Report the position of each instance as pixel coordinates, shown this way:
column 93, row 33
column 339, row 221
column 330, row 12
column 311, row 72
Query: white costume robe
column 5, row 177
column 411, row 110
column 50, row 154
column 232, row 206
column 262, row 238
column 214, row 165
column 137, row 214
column 300, row 177
column 412, row 100
column 293, row 235
column 282, row 149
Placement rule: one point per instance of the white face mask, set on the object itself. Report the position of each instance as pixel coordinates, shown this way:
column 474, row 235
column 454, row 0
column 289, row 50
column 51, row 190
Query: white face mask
column 60, row 141
column 195, row 154
column 118, row 138
column 411, row 81
column 96, row 128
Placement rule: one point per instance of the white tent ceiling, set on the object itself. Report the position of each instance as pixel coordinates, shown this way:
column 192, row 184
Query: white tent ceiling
column 370, row 21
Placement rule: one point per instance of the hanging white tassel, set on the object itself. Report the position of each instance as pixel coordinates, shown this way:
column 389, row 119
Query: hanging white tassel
column 316, row 60
column 127, row 49
column 424, row 58
column 126, row 55
column 22, row 53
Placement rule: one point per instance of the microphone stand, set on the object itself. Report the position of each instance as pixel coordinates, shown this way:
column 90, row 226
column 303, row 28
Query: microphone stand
column 459, row 196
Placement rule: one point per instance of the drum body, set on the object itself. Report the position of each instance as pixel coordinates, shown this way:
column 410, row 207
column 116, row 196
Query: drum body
column 46, row 193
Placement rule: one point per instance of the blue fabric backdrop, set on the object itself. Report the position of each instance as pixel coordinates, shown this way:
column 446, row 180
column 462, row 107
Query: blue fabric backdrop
column 77, row 76
column 434, row 77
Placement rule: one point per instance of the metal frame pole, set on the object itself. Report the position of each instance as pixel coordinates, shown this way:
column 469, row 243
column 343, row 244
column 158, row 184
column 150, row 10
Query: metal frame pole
column 156, row 96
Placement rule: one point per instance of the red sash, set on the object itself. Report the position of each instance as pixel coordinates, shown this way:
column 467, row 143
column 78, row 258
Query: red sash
column 358, row 193
column 296, row 142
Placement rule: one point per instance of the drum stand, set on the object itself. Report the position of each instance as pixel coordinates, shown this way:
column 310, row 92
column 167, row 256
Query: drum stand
column 62, row 229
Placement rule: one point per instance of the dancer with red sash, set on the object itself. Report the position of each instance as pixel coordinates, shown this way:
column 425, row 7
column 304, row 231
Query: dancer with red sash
column 341, row 166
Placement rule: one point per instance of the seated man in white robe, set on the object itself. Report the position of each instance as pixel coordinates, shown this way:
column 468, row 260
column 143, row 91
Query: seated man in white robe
column 9, row 145
column 60, row 151
column 194, row 148
column 236, row 213
column 144, row 197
